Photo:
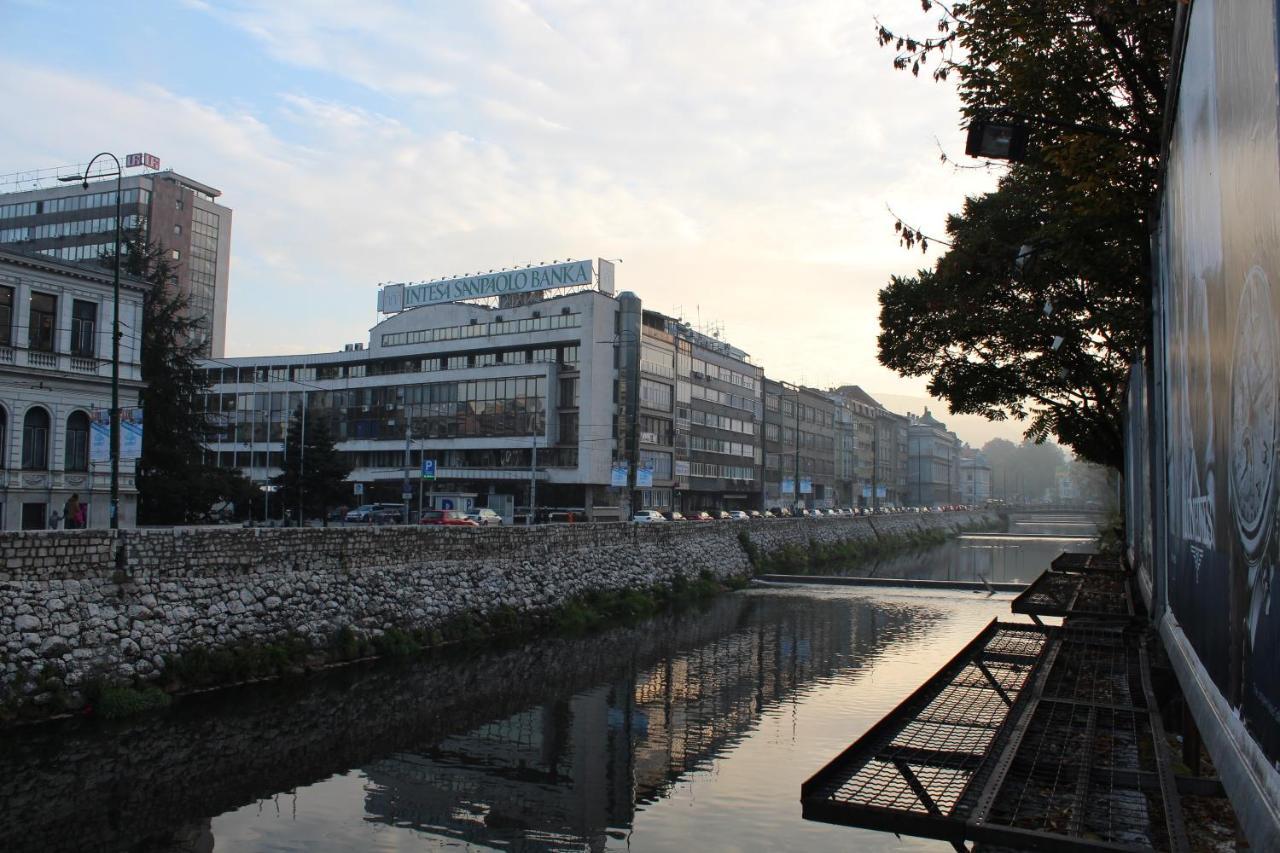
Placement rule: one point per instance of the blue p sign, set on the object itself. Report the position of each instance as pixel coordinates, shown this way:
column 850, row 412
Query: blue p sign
column 428, row 469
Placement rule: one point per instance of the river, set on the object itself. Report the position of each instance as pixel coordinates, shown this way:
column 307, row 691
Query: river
column 692, row 731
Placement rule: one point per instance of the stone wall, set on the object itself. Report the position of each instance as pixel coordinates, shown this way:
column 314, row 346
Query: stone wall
column 67, row 611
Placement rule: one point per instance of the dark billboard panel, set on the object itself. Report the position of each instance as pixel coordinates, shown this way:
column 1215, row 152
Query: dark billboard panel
column 1221, row 285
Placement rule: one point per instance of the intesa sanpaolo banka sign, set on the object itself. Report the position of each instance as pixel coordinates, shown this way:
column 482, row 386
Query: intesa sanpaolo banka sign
column 397, row 297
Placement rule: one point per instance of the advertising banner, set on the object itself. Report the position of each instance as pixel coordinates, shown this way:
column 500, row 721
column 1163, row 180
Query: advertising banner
column 618, row 476
column 806, row 486
column 130, row 434
column 788, row 486
column 1220, row 286
column 644, row 477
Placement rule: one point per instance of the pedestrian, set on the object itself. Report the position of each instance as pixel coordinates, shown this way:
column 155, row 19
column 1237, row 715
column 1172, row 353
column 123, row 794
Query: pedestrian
column 54, row 520
column 72, row 512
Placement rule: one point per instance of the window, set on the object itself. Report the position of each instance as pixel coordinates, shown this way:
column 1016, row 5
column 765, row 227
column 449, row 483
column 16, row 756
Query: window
column 84, row 317
column 175, row 254
column 177, row 229
column 77, row 455
column 655, row 395
column 4, row 437
column 35, row 440
column 6, row 316
column 44, row 312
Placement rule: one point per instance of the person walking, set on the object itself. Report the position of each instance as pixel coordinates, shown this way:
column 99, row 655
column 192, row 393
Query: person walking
column 73, row 513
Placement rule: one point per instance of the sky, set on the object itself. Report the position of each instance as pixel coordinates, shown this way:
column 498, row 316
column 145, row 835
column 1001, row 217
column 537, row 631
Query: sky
column 740, row 157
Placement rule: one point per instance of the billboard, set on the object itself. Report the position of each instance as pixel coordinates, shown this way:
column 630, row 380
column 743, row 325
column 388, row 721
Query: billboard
column 1220, row 290
column 130, row 434
column 396, row 297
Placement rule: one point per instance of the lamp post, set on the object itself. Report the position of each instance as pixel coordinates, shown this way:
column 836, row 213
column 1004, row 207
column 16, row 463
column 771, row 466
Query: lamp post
column 795, row 395
column 630, row 368
column 114, row 512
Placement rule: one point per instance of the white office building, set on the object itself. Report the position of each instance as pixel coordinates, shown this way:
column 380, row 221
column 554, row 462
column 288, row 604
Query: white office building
column 508, row 392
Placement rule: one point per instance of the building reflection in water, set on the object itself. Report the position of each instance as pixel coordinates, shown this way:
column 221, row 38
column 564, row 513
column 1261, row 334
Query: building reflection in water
column 574, row 770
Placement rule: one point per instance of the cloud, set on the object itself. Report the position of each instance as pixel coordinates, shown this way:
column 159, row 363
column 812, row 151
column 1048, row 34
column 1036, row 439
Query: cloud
column 738, row 154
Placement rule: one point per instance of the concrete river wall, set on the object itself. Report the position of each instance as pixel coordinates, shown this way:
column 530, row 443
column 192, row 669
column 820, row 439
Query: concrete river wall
column 69, row 613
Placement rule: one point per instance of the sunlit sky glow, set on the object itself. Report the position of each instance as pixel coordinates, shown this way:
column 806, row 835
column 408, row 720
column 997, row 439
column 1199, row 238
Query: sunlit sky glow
column 740, row 157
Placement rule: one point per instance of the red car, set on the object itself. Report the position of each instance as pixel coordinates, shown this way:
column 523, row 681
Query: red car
column 698, row 516
column 447, row 518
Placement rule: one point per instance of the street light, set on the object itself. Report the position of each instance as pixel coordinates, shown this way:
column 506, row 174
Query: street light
column 115, row 335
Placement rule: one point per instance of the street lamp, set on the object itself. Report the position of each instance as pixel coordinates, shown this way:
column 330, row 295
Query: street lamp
column 631, row 372
column 115, row 335
column 795, row 395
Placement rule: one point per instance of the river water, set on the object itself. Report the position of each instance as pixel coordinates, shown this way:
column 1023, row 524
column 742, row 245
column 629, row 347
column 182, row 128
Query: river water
column 692, row 731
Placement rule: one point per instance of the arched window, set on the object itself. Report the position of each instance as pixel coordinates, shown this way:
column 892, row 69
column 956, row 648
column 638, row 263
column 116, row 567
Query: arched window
column 77, row 456
column 35, row 440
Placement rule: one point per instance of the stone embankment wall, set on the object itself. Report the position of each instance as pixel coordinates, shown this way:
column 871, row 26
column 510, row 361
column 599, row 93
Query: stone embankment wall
column 68, row 614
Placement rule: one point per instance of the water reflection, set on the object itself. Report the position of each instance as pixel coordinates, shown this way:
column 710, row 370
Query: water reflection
column 1018, row 556
column 554, row 746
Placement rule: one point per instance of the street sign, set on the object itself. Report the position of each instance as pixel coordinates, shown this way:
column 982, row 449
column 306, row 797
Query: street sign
column 359, row 488
column 428, row 469
column 406, row 495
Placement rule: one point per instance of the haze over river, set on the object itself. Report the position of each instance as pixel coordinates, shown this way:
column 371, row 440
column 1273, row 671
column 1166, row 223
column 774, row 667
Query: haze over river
column 689, row 732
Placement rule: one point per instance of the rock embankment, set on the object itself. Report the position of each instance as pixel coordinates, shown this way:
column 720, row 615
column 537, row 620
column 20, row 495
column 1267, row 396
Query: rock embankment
column 89, row 605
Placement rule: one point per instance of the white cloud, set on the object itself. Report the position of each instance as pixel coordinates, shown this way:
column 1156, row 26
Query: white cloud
column 738, row 154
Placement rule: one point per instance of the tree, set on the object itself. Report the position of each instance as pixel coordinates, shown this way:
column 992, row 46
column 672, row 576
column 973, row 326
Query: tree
column 1024, row 471
column 1041, row 300
column 175, row 485
column 313, row 472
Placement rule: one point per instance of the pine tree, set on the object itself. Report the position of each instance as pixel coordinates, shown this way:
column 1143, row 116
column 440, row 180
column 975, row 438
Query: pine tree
column 175, row 485
column 313, row 472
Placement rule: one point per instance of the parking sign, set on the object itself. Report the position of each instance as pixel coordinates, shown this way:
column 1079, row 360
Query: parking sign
column 428, row 469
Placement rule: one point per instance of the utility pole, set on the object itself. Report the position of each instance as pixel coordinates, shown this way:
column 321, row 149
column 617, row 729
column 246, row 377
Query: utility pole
column 875, row 461
column 533, row 482
column 797, row 437
column 302, row 459
column 408, row 432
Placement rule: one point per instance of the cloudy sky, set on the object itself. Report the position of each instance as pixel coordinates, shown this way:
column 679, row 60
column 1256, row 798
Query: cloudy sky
column 739, row 156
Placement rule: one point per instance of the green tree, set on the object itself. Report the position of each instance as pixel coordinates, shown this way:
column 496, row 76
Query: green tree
column 313, row 472
column 175, row 485
column 1040, row 302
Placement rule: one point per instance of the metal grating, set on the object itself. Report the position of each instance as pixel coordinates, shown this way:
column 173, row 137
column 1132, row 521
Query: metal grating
column 1065, row 755
column 1084, row 563
column 910, row 772
column 1104, row 595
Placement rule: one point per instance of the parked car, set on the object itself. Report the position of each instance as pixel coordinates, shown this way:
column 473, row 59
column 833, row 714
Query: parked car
column 755, row 513
column 648, row 516
column 674, row 516
column 447, row 518
column 738, row 515
column 699, row 515
column 375, row 513
column 720, row 515
column 484, row 517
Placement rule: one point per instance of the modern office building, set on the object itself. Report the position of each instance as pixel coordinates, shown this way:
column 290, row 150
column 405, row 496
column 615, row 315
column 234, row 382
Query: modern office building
column 559, row 395
column 933, row 462
column 67, row 222
column 55, row 390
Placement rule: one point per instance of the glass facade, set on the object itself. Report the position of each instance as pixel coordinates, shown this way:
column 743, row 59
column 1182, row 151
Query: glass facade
column 482, row 330
column 473, row 408
column 203, row 265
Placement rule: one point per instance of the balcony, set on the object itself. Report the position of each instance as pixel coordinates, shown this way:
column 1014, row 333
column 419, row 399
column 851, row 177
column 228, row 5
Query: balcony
column 36, row 358
column 83, row 364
